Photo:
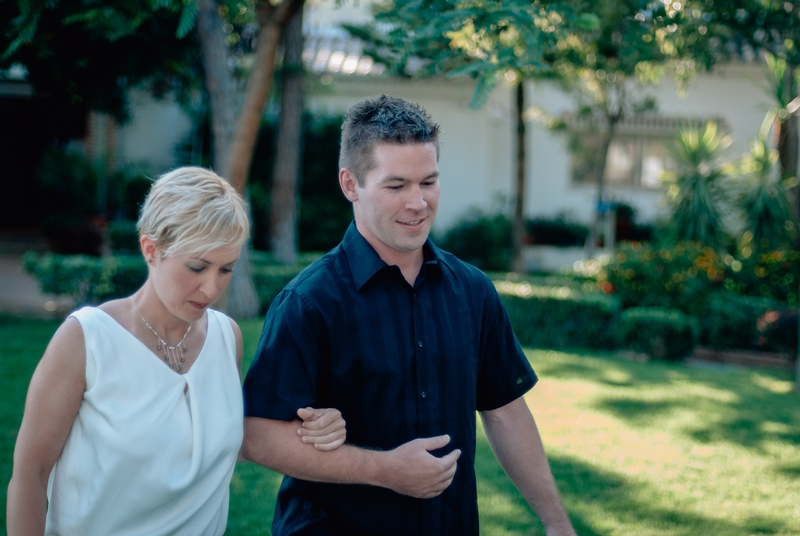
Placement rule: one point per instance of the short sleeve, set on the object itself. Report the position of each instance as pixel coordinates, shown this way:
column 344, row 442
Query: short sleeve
column 505, row 373
column 284, row 374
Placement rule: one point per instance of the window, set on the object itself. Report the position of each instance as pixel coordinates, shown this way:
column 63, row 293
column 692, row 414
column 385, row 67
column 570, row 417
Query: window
column 638, row 155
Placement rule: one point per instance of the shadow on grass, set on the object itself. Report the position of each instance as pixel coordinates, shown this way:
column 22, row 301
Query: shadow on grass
column 738, row 406
column 600, row 502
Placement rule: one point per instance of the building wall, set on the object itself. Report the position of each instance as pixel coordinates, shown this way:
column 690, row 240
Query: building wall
column 148, row 142
column 475, row 160
column 731, row 92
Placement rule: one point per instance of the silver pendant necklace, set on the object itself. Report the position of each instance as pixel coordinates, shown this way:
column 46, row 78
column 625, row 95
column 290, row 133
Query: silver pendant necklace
column 173, row 355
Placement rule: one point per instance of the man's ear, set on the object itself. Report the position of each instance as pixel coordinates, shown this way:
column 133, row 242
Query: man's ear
column 348, row 184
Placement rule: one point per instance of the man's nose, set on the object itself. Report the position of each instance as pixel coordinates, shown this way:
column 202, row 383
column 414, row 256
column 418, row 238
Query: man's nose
column 416, row 201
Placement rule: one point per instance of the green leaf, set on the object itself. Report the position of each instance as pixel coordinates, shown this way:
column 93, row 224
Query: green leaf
column 188, row 16
column 482, row 90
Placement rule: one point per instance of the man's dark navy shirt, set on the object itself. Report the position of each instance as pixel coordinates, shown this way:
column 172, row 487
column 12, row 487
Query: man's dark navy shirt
column 400, row 363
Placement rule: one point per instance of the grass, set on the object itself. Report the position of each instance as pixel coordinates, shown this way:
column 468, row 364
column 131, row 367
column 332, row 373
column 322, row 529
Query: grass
column 636, row 448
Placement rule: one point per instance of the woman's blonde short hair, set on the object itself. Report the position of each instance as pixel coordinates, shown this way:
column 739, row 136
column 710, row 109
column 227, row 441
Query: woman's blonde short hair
column 192, row 210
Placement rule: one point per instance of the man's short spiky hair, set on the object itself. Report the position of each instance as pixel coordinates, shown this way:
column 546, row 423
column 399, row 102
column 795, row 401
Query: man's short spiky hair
column 383, row 119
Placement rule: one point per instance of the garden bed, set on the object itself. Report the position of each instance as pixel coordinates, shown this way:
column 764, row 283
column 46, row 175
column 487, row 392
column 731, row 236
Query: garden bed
column 747, row 358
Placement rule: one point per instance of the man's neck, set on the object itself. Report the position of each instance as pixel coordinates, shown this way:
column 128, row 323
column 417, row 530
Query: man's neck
column 409, row 262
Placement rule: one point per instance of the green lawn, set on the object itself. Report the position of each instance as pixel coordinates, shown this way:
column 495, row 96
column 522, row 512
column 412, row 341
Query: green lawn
column 636, row 448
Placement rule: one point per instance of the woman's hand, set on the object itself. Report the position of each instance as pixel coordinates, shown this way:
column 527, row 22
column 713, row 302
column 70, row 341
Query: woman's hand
column 323, row 428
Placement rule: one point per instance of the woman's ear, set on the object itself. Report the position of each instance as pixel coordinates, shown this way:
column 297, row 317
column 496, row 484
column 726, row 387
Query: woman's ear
column 149, row 249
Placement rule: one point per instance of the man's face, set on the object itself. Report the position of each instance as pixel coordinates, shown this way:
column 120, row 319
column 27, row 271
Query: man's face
column 397, row 203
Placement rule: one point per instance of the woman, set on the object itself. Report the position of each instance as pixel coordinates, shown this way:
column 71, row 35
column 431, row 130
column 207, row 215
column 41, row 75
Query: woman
column 133, row 420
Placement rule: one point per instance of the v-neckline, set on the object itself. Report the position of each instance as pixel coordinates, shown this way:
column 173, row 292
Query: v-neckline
column 158, row 358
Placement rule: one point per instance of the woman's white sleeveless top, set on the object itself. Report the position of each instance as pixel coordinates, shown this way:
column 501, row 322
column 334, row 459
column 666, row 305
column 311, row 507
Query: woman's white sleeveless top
column 151, row 452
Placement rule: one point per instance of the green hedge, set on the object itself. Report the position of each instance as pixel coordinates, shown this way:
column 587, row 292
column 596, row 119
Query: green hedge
column 733, row 322
column 481, row 239
column 91, row 280
column 270, row 280
column 87, row 279
column 123, row 238
column 560, row 317
column 666, row 334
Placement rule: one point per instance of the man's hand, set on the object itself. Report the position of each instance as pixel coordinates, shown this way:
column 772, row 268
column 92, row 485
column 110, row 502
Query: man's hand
column 414, row 471
column 323, row 428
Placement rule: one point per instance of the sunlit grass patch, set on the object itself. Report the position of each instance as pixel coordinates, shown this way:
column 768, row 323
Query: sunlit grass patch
column 636, row 448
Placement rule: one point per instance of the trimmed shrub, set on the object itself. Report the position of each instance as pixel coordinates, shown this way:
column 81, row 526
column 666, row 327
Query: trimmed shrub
column 556, row 232
column 560, row 317
column 483, row 240
column 661, row 333
column 123, row 239
column 733, row 322
column 85, row 279
column 92, row 280
column 682, row 277
column 771, row 274
column 270, row 280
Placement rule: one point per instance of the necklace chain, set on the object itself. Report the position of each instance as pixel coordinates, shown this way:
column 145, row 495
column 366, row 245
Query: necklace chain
column 173, row 355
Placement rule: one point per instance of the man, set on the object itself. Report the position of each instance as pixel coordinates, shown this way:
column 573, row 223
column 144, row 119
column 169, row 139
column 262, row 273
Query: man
column 408, row 342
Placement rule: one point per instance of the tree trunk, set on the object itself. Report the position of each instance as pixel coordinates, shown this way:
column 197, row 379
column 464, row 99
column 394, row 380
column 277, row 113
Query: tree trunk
column 518, row 233
column 272, row 19
column 788, row 139
column 594, row 230
column 220, row 83
column 285, row 178
column 235, row 136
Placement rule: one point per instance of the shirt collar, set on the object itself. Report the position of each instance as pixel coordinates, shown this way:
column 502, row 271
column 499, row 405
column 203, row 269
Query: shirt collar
column 365, row 261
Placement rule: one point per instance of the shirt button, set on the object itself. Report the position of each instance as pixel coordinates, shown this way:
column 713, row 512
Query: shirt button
column 420, row 344
column 424, row 394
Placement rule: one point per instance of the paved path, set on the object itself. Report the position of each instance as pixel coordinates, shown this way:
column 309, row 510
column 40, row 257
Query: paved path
column 20, row 294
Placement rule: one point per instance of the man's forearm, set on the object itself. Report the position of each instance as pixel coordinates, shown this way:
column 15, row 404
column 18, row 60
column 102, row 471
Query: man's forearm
column 275, row 444
column 515, row 440
column 409, row 469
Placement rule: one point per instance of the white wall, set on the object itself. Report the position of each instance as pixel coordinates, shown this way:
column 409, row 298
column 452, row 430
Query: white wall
column 731, row 92
column 475, row 160
column 147, row 142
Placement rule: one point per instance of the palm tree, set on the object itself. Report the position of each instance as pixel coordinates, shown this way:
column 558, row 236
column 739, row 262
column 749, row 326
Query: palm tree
column 764, row 199
column 695, row 192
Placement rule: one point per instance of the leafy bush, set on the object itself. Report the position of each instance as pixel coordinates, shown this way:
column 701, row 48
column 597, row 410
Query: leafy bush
column 665, row 334
column 734, row 322
column 681, row 278
column 270, row 280
column 87, row 280
column 772, row 274
column 685, row 276
column 92, row 280
column 122, row 237
column 556, row 232
column 559, row 317
column 481, row 239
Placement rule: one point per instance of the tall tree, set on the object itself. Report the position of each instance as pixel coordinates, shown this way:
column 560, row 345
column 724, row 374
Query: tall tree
column 233, row 148
column 599, row 52
column 488, row 41
column 236, row 116
column 284, row 199
column 606, row 70
column 719, row 29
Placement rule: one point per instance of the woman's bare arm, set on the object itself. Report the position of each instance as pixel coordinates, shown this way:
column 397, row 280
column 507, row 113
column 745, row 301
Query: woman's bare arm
column 54, row 397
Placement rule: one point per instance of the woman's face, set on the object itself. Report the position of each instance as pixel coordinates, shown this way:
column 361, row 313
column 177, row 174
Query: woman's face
column 187, row 285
